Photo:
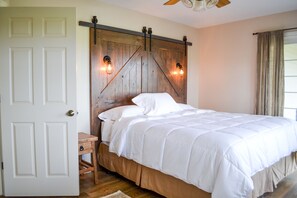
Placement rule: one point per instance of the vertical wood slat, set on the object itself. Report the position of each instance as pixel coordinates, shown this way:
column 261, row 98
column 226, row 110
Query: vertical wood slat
column 135, row 71
column 144, row 74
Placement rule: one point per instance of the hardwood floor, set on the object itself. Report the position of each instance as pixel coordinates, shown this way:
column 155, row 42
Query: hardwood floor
column 109, row 183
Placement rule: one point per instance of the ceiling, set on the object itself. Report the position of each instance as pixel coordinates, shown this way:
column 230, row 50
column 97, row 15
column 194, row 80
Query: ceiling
column 236, row 11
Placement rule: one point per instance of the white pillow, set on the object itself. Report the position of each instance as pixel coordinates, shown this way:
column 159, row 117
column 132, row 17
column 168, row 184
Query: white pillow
column 121, row 112
column 156, row 103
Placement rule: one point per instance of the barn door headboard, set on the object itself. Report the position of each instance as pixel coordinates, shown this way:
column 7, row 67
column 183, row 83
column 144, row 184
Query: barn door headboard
column 135, row 70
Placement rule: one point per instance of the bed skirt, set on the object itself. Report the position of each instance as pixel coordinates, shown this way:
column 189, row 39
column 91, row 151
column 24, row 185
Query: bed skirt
column 168, row 186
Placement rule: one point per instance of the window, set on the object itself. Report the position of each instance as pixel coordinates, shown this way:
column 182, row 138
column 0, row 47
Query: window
column 290, row 58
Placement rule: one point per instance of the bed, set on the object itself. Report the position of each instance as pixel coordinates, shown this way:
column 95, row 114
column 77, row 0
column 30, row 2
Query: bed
column 225, row 154
column 141, row 70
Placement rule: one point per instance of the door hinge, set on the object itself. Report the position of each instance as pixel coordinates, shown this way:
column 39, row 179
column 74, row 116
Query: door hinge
column 2, row 166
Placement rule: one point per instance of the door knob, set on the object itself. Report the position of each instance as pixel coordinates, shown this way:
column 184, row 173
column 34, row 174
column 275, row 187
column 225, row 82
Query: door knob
column 81, row 148
column 70, row 113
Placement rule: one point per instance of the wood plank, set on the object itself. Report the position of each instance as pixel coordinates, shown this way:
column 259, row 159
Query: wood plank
column 144, row 73
column 83, row 137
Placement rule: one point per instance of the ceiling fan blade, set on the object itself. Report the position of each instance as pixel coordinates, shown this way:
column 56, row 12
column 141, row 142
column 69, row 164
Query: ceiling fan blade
column 171, row 2
column 222, row 3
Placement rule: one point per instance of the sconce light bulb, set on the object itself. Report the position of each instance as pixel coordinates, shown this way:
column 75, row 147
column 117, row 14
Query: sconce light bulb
column 181, row 72
column 109, row 69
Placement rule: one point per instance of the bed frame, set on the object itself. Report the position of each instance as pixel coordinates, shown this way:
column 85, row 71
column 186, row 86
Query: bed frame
column 137, row 69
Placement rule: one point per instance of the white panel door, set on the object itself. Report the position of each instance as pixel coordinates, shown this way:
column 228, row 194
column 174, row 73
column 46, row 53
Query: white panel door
column 38, row 88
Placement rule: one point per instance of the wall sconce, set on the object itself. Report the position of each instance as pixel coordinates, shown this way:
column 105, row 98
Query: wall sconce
column 108, row 67
column 180, row 68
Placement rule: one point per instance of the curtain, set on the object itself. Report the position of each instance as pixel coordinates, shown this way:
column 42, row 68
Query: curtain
column 270, row 68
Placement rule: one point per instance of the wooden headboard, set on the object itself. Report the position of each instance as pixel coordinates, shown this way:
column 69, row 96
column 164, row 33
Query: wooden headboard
column 136, row 70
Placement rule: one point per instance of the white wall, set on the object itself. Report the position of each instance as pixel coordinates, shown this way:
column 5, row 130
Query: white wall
column 4, row 3
column 227, row 62
column 123, row 18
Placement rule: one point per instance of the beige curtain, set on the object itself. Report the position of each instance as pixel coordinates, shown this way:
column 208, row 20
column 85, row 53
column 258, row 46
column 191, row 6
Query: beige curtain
column 270, row 61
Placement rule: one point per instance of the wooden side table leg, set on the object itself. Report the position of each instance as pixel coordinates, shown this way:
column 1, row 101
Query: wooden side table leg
column 94, row 162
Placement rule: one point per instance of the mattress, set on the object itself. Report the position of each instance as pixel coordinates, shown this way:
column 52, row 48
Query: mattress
column 106, row 129
column 214, row 151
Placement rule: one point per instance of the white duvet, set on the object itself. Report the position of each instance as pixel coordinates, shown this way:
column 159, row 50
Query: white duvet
column 217, row 152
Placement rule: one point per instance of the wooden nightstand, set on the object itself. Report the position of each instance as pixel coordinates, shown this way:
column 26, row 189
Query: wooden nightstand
column 86, row 144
